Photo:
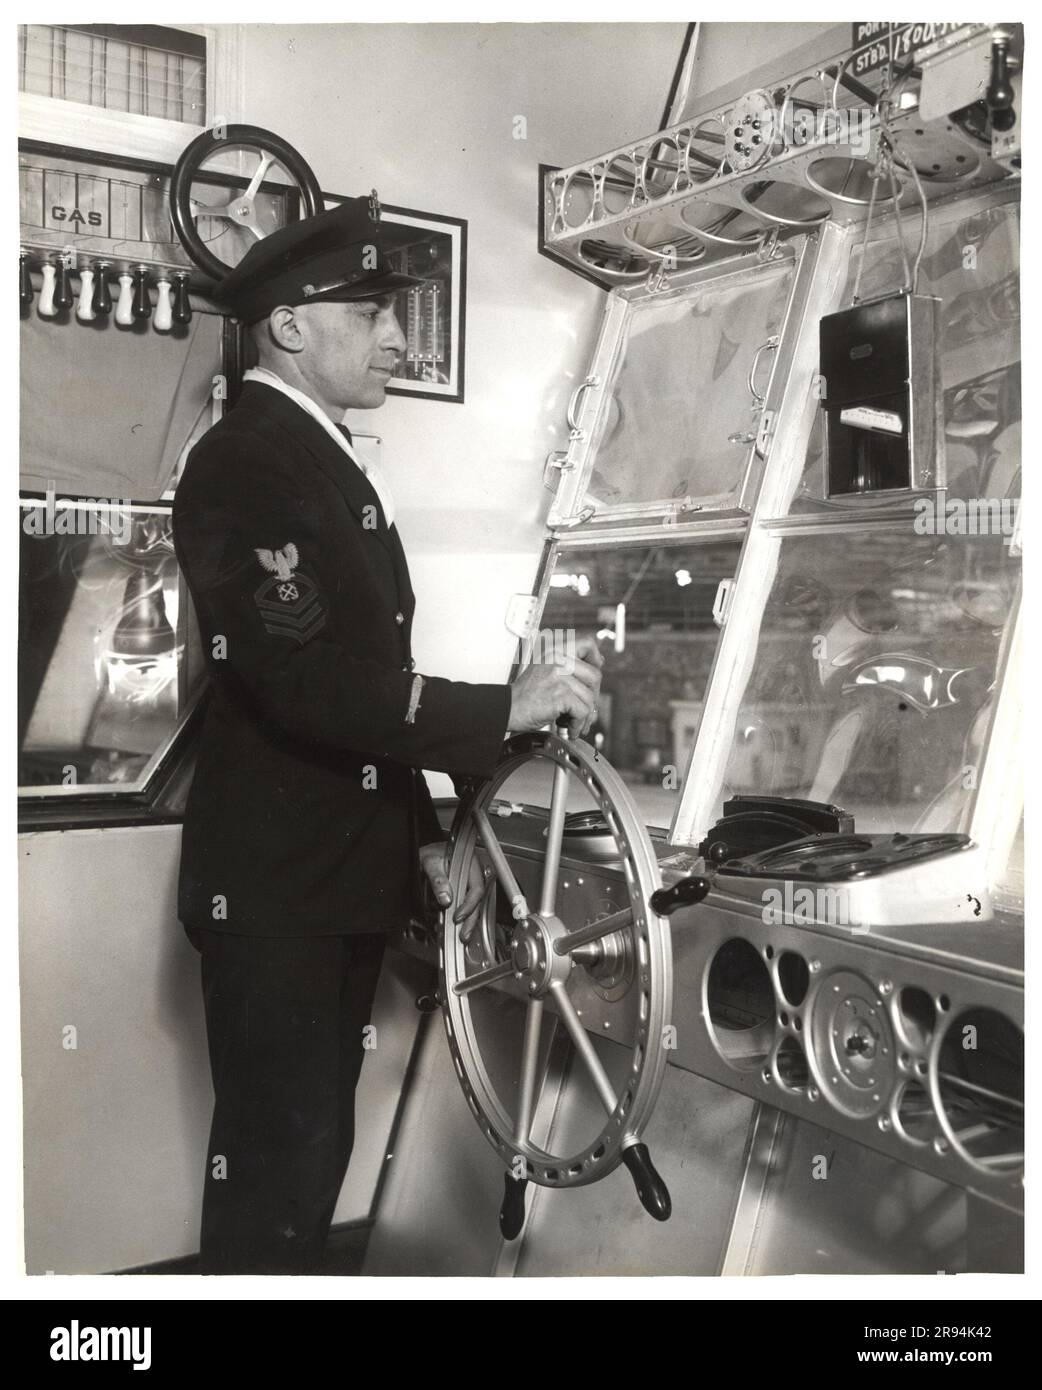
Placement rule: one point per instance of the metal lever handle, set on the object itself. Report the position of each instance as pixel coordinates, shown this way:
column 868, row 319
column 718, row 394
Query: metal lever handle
column 686, row 893
column 652, row 1191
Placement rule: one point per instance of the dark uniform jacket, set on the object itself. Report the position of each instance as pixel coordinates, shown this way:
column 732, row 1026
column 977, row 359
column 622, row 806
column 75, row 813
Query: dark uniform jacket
column 307, row 809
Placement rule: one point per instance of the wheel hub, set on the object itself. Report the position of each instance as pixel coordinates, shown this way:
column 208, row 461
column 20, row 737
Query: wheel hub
column 532, row 954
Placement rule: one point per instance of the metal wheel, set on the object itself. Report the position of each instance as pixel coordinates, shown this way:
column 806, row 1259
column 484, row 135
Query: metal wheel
column 243, row 215
column 539, row 954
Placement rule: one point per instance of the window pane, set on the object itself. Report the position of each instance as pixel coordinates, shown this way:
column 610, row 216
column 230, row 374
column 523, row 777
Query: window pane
column 106, row 665
column 148, row 70
column 652, row 690
column 967, row 264
column 681, row 388
column 874, row 676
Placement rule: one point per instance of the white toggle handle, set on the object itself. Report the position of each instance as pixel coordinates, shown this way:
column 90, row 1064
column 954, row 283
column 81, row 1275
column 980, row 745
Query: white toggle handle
column 164, row 315
column 125, row 303
column 84, row 310
column 722, row 601
column 47, row 292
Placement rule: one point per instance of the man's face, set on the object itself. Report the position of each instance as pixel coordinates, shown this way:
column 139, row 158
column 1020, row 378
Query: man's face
column 350, row 351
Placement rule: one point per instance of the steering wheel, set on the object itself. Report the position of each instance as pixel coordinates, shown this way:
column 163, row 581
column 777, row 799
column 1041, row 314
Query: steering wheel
column 242, row 210
column 541, row 957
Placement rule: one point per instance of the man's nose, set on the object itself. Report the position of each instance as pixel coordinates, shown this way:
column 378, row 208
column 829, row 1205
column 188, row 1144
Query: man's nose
column 392, row 339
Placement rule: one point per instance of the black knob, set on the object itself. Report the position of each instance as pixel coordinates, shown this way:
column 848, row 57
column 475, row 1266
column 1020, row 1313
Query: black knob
column 25, row 281
column 652, row 1191
column 429, row 1003
column 686, row 893
column 142, row 306
column 999, row 95
column 62, row 288
column 512, row 1212
column 182, row 307
column 101, row 303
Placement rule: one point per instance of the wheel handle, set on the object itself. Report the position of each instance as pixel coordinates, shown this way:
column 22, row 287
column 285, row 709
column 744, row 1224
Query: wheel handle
column 685, row 893
column 652, row 1191
column 512, row 1212
column 241, row 209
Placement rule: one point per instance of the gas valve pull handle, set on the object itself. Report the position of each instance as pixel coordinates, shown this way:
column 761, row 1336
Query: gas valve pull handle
column 686, row 893
column 652, row 1191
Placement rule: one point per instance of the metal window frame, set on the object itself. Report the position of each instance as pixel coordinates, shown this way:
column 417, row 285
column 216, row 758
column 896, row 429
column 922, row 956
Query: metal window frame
column 991, row 814
column 588, row 408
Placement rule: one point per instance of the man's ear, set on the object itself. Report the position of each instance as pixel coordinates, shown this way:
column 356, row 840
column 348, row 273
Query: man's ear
column 285, row 328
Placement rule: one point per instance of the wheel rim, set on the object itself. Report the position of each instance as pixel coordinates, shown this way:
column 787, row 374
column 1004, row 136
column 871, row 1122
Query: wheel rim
column 541, row 961
column 241, row 209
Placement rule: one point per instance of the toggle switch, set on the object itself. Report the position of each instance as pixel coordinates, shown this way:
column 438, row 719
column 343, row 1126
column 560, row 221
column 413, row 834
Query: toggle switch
column 85, row 304
column 102, row 301
column 125, row 302
column 164, row 319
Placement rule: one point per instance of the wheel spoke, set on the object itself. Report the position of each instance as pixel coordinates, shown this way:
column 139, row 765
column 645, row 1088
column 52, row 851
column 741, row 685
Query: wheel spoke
column 221, row 210
column 554, row 837
column 488, row 976
column 594, row 931
column 266, row 161
column 255, row 231
column 584, row 1046
column 499, row 862
column 529, row 1065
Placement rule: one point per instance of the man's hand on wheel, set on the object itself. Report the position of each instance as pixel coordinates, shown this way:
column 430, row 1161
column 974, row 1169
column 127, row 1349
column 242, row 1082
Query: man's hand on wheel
column 568, row 688
column 434, row 860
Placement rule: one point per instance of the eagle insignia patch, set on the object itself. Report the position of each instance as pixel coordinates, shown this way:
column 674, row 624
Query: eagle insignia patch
column 290, row 604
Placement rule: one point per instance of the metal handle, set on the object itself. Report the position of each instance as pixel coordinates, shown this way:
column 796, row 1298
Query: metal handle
column 771, row 345
column 574, row 408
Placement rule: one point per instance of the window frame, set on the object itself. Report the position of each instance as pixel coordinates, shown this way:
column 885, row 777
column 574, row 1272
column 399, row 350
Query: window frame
column 134, row 136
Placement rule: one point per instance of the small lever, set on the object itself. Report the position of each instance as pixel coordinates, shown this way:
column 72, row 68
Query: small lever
column 686, row 893
column 1000, row 95
column 652, row 1191
column 512, row 1212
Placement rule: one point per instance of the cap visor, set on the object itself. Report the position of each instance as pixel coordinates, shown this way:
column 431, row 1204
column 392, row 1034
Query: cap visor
column 387, row 283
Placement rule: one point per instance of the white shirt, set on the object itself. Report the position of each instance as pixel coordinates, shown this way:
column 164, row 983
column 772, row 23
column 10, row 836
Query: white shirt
column 371, row 470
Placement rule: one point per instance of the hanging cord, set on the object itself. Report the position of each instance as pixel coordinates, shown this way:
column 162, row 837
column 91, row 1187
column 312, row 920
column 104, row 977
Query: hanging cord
column 876, row 175
column 910, row 167
column 884, row 165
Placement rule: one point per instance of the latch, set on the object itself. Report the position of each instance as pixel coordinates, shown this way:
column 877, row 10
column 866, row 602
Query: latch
column 722, row 602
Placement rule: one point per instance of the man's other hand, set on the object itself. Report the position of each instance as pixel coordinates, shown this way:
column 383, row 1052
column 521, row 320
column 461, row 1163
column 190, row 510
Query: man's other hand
column 434, row 860
column 564, row 689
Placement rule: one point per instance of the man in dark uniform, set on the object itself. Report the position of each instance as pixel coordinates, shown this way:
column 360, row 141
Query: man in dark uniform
column 309, row 815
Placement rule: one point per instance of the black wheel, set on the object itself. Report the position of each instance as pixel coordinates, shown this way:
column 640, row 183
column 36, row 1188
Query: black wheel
column 245, row 217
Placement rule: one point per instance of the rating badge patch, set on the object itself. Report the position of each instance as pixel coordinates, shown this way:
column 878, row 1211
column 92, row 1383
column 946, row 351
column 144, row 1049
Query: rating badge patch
column 290, row 604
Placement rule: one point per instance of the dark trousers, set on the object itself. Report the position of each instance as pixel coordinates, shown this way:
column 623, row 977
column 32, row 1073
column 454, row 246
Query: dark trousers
column 284, row 1023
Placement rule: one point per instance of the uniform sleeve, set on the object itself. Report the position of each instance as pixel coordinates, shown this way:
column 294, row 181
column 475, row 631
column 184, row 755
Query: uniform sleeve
column 428, row 824
column 266, row 624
